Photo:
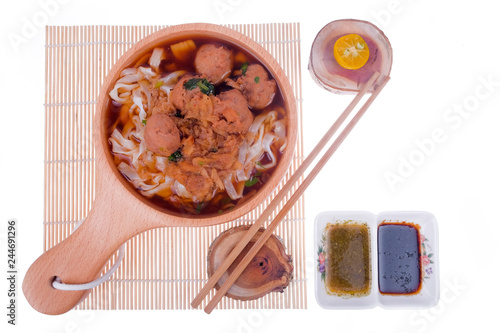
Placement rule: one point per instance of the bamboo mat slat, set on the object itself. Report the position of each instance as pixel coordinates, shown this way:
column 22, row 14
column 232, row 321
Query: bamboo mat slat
column 163, row 268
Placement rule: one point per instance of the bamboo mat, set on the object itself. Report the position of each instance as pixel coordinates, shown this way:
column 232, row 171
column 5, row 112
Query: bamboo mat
column 163, row 268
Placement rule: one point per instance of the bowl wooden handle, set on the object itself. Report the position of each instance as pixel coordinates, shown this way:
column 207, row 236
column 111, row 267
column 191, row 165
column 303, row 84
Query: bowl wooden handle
column 80, row 258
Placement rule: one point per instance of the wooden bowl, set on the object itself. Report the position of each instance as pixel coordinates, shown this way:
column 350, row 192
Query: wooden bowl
column 119, row 212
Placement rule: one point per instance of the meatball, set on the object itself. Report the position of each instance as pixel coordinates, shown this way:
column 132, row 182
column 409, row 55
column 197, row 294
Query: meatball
column 257, row 87
column 161, row 135
column 215, row 62
column 192, row 103
column 180, row 95
column 195, row 179
column 200, row 187
column 231, row 113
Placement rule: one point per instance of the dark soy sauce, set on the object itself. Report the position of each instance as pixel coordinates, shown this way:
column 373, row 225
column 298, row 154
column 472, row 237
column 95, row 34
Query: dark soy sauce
column 399, row 270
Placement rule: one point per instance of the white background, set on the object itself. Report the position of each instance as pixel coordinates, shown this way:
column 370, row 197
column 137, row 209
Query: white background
column 442, row 52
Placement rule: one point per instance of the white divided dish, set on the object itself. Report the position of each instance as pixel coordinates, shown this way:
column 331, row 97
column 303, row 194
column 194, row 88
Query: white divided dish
column 428, row 294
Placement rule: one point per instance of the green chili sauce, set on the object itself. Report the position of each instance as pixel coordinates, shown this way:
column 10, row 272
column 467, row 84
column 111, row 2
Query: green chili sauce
column 348, row 259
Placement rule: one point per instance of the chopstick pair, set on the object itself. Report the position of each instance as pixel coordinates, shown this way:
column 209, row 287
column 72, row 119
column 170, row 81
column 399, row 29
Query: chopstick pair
column 281, row 194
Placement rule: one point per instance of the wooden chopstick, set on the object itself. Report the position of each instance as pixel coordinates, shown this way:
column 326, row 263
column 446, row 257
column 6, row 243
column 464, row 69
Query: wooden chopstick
column 289, row 204
column 278, row 198
column 280, row 195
